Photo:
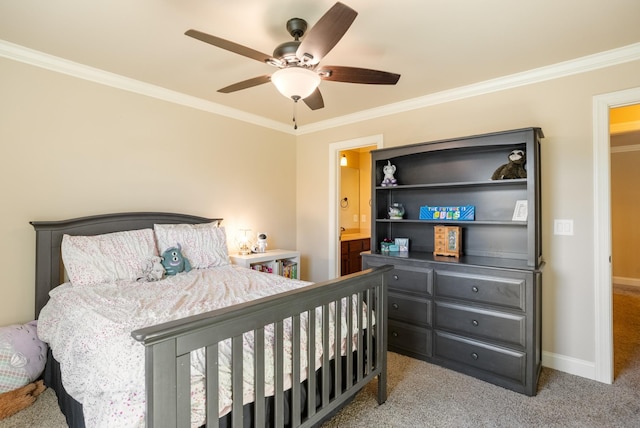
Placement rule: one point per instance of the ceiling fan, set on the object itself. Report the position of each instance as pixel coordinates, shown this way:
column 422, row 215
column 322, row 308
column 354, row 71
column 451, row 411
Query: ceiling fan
column 299, row 72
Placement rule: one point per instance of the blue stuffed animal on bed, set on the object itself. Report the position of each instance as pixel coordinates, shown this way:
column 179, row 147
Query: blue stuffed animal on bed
column 174, row 262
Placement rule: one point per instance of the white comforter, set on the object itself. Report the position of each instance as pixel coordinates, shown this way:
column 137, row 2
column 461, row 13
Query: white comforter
column 89, row 331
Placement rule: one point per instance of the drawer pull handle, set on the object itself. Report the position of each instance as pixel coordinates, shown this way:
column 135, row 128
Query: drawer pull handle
column 395, row 277
column 395, row 334
column 475, row 289
column 474, row 355
column 395, row 306
column 475, row 323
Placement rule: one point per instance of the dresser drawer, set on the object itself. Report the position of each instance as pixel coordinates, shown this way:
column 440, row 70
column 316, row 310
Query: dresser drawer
column 413, row 310
column 475, row 286
column 411, row 279
column 409, row 338
column 481, row 323
column 492, row 359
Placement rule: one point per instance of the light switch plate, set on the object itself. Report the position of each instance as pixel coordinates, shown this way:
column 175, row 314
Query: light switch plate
column 562, row 227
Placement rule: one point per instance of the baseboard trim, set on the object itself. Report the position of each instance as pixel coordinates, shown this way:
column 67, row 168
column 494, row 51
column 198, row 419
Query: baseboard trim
column 634, row 282
column 574, row 366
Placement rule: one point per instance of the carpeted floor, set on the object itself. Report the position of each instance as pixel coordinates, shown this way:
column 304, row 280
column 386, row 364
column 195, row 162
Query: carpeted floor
column 425, row 395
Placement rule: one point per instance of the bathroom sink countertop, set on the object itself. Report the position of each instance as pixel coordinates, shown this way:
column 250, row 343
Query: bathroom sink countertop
column 354, row 236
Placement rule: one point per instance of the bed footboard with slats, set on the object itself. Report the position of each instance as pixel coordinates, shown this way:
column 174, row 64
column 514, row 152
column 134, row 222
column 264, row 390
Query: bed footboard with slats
column 169, row 347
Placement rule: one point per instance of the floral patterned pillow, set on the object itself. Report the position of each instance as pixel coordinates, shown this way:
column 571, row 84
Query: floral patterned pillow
column 110, row 257
column 204, row 245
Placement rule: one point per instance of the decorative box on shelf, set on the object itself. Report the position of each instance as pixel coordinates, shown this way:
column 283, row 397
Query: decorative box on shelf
column 388, row 246
column 447, row 241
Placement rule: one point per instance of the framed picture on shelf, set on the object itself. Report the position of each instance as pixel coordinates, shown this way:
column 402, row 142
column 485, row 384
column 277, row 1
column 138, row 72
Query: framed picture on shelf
column 403, row 244
column 520, row 211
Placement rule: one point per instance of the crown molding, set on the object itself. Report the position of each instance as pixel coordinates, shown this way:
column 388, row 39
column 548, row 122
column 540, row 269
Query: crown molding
column 567, row 68
column 562, row 69
column 81, row 71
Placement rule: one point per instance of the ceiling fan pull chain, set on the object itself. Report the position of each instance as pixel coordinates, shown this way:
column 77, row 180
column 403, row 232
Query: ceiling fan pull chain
column 295, row 110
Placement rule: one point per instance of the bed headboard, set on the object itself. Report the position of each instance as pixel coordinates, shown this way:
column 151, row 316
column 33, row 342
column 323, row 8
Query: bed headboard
column 49, row 270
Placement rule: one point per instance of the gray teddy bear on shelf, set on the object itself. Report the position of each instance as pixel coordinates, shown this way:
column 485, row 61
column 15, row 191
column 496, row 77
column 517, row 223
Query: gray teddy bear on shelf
column 514, row 168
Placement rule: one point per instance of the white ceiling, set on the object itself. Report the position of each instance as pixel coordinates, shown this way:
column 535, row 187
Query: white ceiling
column 436, row 45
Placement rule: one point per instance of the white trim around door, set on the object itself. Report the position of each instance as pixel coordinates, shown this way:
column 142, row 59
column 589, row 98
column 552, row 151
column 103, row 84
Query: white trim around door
column 603, row 321
column 334, row 183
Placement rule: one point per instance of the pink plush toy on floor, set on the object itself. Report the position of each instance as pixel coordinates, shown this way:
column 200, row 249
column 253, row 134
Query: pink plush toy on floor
column 22, row 360
column 22, row 355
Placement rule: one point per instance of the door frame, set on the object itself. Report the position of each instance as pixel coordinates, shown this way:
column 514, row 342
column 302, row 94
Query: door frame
column 603, row 290
column 334, row 191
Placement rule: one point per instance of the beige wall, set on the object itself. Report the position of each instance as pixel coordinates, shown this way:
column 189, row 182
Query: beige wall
column 72, row 148
column 564, row 110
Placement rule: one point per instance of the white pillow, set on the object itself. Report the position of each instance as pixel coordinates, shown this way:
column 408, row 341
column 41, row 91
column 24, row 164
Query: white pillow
column 109, row 257
column 204, row 245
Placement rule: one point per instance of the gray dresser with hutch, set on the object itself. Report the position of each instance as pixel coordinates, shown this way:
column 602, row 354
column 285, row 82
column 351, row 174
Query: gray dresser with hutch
column 479, row 313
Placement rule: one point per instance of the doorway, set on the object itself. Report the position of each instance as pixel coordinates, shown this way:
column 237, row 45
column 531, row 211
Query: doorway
column 603, row 332
column 355, row 207
column 335, row 149
column 625, row 196
column 625, row 235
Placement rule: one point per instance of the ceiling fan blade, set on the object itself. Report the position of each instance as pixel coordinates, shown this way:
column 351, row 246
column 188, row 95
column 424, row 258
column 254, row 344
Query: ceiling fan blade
column 336, row 73
column 229, row 46
column 314, row 101
column 249, row 83
column 324, row 35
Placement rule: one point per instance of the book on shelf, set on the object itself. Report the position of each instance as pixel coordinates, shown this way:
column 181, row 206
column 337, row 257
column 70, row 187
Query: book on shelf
column 289, row 269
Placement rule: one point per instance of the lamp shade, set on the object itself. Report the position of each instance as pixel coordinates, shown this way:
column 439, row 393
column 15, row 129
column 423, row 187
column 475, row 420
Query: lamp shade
column 294, row 82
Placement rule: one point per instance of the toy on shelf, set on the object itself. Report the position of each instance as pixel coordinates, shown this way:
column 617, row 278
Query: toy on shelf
column 514, row 168
column 396, row 211
column 389, row 179
column 261, row 243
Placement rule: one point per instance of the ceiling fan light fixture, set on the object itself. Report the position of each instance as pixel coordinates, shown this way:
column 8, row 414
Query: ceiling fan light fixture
column 295, row 82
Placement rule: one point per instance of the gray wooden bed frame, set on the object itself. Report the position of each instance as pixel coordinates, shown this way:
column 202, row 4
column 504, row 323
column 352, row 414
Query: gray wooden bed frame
column 167, row 346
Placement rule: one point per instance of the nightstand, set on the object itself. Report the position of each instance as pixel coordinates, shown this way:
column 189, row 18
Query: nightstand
column 280, row 262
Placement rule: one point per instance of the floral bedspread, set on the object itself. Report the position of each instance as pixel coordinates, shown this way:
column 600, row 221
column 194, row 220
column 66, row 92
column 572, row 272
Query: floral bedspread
column 89, row 331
